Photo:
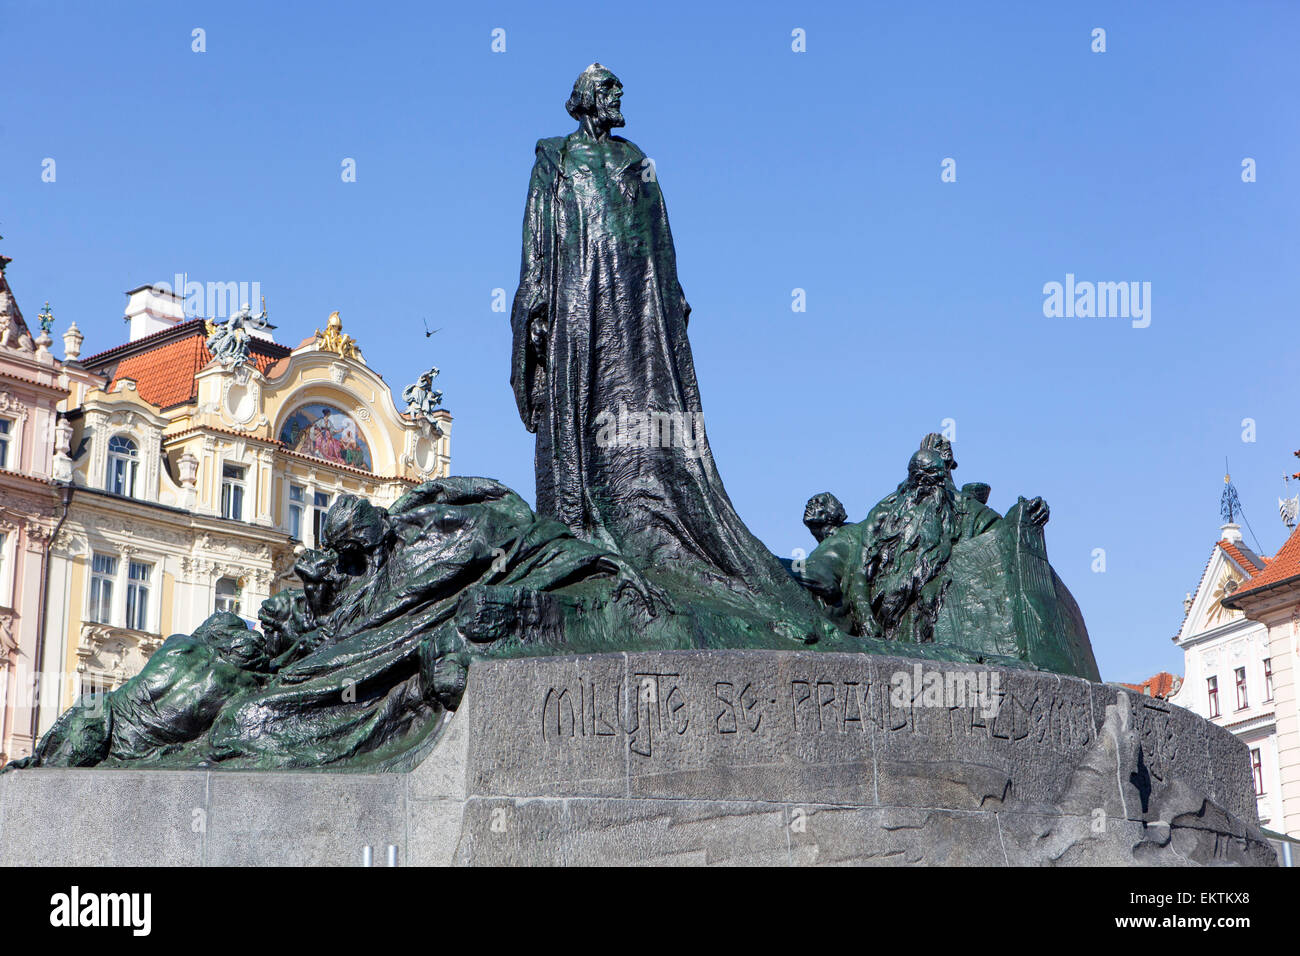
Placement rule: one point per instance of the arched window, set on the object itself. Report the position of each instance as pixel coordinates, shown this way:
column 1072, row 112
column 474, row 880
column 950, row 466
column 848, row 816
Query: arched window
column 123, row 462
column 228, row 595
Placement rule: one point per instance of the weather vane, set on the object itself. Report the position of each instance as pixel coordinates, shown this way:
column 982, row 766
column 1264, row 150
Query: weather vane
column 1229, row 503
column 1289, row 508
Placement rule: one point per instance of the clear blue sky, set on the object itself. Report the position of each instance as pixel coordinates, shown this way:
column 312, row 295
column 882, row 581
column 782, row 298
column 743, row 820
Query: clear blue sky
column 818, row 170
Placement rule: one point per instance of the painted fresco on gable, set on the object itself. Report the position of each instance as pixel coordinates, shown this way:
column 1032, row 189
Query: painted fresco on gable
column 326, row 432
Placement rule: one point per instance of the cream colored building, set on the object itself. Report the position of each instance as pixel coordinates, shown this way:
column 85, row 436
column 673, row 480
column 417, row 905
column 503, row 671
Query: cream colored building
column 1271, row 598
column 193, row 484
column 1229, row 676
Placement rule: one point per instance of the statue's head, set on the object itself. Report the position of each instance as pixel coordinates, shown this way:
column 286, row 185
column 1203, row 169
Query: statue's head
column 355, row 530
column 234, row 641
column 927, row 469
column 282, row 616
column 318, row 571
column 217, row 624
column 597, row 95
column 936, row 442
column 823, row 515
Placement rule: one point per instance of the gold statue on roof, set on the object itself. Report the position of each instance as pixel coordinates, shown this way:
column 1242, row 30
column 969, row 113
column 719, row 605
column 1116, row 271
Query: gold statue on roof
column 335, row 340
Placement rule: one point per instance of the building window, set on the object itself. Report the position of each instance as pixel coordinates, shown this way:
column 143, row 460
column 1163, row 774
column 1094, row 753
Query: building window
column 1257, row 771
column 1268, row 678
column 139, row 575
column 228, row 595
column 297, row 501
column 103, row 570
column 232, row 492
column 320, row 504
column 1212, row 684
column 123, row 461
column 1240, row 674
column 4, row 566
column 6, row 430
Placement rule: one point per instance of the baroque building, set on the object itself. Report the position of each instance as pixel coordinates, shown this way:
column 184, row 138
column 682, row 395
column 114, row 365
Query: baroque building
column 32, row 385
column 184, row 482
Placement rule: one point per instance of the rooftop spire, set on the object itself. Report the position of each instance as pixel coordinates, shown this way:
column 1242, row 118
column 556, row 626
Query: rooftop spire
column 1229, row 503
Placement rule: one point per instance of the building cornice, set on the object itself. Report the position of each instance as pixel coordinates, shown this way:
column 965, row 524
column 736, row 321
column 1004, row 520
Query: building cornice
column 32, row 479
column 346, row 469
column 51, row 387
column 1256, row 722
column 1221, row 632
column 181, row 518
column 191, row 430
column 1258, row 598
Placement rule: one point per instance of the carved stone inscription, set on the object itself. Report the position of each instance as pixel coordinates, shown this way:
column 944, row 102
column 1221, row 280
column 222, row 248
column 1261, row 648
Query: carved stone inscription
column 653, row 707
column 650, row 705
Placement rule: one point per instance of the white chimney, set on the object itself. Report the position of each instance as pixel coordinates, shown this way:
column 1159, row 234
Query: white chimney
column 151, row 309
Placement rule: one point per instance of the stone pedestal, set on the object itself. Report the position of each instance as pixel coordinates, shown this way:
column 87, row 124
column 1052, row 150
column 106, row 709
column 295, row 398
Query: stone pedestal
column 752, row 757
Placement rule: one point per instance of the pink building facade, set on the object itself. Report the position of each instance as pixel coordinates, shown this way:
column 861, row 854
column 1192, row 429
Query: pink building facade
column 32, row 383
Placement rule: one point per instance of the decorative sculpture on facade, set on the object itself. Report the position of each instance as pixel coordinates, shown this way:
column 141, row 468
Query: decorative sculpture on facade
column 335, row 340
column 422, row 399
column 8, row 326
column 230, row 342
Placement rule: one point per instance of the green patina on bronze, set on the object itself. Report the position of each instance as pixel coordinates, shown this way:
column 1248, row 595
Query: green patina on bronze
column 933, row 564
column 634, row 545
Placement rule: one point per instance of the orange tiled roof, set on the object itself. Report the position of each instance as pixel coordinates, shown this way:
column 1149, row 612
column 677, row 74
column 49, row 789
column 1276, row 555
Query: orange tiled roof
column 164, row 375
column 100, row 359
column 1161, row 685
column 1251, row 563
column 1281, row 567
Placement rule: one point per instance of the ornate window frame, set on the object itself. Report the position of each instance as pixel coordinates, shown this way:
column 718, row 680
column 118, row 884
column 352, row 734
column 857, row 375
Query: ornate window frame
column 8, row 561
column 105, row 419
column 111, row 456
column 14, row 410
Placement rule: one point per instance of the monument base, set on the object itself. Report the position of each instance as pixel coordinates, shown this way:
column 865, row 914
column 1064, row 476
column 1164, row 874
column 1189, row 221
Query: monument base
column 719, row 757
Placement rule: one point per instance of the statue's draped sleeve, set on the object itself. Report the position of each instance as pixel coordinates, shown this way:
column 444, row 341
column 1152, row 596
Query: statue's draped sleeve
column 533, row 299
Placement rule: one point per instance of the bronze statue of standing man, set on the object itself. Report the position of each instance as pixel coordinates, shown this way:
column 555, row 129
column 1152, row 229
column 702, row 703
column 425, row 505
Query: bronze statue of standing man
column 602, row 369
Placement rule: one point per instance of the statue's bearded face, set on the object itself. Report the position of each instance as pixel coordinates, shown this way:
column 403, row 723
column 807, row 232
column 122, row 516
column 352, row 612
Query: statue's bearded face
column 609, row 101
column 927, row 469
column 596, row 101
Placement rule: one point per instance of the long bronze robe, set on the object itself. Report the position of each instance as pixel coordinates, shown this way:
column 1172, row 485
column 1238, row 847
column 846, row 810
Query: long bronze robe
column 599, row 273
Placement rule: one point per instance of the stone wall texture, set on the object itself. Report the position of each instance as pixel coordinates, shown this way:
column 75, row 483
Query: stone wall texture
column 705, row 757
